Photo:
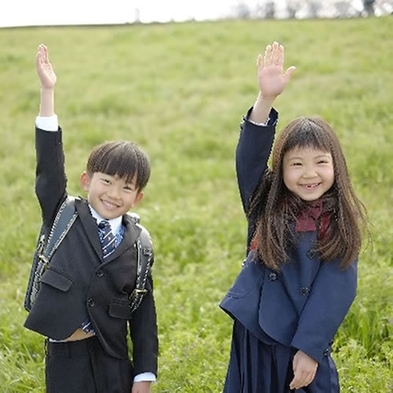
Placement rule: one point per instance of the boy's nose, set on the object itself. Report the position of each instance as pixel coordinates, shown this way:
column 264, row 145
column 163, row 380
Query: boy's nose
column 113, row 192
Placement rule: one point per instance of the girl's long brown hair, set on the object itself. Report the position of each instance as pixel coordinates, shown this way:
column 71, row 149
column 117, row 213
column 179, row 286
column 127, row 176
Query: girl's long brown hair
column 275, row 209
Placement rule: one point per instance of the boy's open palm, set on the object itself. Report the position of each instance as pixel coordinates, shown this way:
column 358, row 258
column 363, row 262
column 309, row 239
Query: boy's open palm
column 271, row 77
column 44, row 68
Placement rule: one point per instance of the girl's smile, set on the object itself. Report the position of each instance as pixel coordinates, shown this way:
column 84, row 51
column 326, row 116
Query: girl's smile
column 308, row 172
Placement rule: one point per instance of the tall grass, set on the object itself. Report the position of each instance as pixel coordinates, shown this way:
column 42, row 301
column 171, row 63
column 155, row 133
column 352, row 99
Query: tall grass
column 180, row 90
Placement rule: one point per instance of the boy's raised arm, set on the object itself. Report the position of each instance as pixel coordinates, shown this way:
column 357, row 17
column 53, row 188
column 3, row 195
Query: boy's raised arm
column 48, row 81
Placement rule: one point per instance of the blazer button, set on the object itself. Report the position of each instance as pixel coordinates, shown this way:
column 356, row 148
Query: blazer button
column 99, row 273
column 272, row 277
column 90, row 302
column 304, row 291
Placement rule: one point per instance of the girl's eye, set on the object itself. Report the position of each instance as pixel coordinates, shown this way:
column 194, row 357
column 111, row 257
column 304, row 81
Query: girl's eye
column 106, row 181
column 296, row 164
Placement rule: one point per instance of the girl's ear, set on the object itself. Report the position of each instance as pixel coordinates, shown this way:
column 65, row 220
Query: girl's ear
column 85, row 181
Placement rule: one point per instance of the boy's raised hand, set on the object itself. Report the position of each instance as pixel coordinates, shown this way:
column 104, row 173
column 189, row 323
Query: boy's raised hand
column 44, row 68
column 271, row 76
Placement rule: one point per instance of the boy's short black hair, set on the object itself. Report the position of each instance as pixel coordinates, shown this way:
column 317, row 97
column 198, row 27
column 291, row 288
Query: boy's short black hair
column 124, row 159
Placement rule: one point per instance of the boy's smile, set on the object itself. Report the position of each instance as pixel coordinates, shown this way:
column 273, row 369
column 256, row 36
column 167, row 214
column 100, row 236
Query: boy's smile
column 110, row 196
column 109, row 205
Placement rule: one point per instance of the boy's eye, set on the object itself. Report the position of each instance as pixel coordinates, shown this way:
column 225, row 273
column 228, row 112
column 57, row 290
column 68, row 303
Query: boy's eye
column 106, row 181
column 128, row 188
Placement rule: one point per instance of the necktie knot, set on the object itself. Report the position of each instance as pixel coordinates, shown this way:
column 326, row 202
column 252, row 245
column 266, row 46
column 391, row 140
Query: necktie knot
column 103, row 224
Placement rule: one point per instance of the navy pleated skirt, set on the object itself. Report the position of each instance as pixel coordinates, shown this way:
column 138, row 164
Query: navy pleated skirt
column 256, row 367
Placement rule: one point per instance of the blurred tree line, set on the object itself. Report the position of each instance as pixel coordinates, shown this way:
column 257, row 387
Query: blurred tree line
column 271, row 9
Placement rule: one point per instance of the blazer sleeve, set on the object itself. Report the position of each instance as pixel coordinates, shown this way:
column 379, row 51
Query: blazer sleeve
column 50, row 184
column 252, row 154
column 330, row 298
column 144, row 334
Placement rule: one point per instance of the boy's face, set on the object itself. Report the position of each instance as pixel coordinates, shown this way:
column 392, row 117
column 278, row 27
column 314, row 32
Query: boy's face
column 110, row 196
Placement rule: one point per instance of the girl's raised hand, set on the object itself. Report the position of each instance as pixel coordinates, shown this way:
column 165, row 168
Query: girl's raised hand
column 271, row 76
column 44, row 68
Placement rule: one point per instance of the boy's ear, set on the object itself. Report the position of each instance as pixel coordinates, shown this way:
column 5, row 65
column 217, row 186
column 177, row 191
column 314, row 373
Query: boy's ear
column 85, row 181
column 138, row 198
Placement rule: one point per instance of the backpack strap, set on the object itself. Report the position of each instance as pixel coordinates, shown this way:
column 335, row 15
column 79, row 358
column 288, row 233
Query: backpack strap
column 145, row 261
column 64, row 219
column 47, row 245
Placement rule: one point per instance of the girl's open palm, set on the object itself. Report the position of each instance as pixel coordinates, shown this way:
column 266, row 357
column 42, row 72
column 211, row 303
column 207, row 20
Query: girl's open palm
column 44, row 68
column 271, row 77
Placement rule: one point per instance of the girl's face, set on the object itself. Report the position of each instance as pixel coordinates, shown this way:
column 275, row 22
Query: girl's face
column 308, row 172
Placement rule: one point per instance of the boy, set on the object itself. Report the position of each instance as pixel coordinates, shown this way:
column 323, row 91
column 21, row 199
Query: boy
column 82, row 306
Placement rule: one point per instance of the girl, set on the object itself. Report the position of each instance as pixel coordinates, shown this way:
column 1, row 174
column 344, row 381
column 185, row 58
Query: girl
column 304, row 234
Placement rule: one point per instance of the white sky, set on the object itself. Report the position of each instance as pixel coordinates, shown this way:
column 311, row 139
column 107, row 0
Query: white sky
column 81, row 12
column 51, row 12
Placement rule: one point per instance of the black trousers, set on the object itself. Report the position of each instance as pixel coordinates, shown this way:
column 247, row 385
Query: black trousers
column 83, row 367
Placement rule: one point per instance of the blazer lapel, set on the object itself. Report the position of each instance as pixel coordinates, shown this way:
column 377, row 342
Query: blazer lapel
column 131, row 234
column 89, row 224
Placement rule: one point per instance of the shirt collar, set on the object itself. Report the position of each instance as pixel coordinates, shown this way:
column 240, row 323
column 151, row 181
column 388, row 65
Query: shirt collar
column 115, row 223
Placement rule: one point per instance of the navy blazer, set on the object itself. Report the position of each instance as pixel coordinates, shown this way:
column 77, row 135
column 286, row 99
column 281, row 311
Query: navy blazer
column 79, row 283
column 303, row 304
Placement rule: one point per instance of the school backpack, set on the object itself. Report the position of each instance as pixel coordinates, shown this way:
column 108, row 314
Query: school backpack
column 49, row 241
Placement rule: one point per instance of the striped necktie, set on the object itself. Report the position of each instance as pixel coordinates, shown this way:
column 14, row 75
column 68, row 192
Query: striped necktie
column 108, row 245
column 108, row 240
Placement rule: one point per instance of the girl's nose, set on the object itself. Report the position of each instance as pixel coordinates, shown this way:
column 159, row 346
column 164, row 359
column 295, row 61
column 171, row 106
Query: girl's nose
column 309, row 171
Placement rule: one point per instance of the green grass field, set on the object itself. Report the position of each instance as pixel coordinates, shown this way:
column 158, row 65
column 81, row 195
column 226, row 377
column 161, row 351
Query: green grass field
column 180, row 91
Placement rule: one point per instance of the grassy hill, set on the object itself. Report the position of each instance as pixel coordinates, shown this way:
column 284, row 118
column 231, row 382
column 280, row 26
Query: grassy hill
column 180, row 91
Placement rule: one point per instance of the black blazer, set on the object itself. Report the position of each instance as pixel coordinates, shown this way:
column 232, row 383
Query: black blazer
column 78, row 283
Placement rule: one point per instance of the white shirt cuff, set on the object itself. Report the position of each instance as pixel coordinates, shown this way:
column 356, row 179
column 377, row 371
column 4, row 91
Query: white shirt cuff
column 47, row 123
column 145, row 377
column 260, row 124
